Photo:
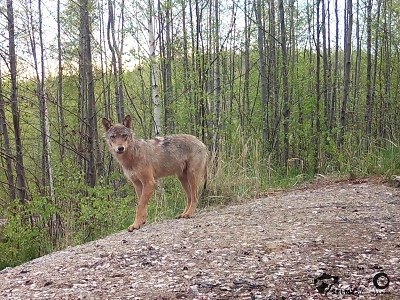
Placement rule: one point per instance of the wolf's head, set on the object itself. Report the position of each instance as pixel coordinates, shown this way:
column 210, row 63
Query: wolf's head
column 118, row 136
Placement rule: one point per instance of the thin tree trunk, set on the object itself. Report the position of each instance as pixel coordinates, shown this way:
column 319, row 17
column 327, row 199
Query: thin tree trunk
column 347, row 69
column 316, row 138
column 19, row 167
column 186, row 68
column 327, row 67
column 384, row 109
column 200, row 102
column 356, row 79
column 293, row 14
column 165, row 20
column 46, row 133
column 217, row 78
column 246, row 83
column 7, row 155
column 87, row 68
column 369, row 100
column 60, row 108
column 208, row 67
column 105, row 81
column 335, row 70
column 273, row 84
column 286, row 97
column 120, row 61
column 386, row 66
column 116, row 60
column 154, row 73
column 263, row 74
column 40, row 93
column 82, row 102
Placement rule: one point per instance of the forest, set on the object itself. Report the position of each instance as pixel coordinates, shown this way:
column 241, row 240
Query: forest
column 280, row 91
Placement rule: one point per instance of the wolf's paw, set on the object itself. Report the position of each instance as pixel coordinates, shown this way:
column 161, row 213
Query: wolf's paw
column 136, row 226
column 184, row 216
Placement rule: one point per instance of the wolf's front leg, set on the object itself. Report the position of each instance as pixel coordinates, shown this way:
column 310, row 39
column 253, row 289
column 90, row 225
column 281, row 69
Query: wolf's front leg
column 141, row 212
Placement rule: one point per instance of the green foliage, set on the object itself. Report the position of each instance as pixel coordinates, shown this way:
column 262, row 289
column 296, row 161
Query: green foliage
column 98, row 215
column 384, row 159
column 86, row 214
column 25, row 236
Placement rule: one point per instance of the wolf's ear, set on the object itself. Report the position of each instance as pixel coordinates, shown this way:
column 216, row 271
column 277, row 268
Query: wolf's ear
column 127, row 122
column 106, row 124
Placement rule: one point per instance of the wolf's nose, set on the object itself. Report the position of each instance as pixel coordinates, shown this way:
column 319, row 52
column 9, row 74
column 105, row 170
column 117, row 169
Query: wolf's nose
column 120, row 149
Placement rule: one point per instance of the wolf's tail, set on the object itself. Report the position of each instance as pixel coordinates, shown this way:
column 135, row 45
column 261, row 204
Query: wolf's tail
column 204, row 193
column 205, row 177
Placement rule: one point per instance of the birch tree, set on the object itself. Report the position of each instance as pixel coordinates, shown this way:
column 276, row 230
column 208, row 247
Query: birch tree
column 39, row 64
column 44, row 101
column 154, row 72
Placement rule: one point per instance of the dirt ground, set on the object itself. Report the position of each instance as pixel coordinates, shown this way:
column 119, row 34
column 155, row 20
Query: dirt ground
column 328, row 240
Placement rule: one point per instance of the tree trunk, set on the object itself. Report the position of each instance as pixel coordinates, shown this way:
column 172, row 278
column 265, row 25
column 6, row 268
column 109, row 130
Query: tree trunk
column 165, row 20
column 263, row 74
column 19, row 161
column 47, row 169
column 286, row 97
column 387, row 44
column 7, row 155
column 88, row 84
column 333, row 105
column 246, row 82
column 104, row 62
column 187, row 72
column 273, row 84
column 116, row 60
column 46, row 122
column 154, row 72
column 217, row 79
column 369, row 100
column 347, row 69
column 55, row 225
column 316, row 137
column 326, row 54
column 60, row 108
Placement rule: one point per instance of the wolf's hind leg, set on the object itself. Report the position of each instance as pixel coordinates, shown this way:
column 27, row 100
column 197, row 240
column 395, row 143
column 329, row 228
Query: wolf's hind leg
column 190, row 185
column 185, row 184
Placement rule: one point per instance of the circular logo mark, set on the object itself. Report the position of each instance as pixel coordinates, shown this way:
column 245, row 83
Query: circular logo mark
column 381, row 281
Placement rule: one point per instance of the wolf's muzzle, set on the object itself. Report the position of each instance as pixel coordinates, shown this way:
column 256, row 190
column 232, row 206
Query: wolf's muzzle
column 120, row 149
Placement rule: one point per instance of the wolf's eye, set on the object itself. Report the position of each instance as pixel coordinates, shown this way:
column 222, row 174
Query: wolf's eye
column 124, row 136
column 112, row 136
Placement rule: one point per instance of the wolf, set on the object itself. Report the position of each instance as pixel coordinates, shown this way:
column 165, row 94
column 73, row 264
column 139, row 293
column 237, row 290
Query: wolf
column 145, row 161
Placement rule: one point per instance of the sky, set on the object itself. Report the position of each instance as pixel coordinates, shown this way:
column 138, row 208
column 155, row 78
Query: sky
column 49, row 9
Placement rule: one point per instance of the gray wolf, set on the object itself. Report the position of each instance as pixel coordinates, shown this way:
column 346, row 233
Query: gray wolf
column 145, row 161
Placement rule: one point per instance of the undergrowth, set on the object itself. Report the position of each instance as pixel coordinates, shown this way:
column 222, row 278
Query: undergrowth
column 109, row 207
